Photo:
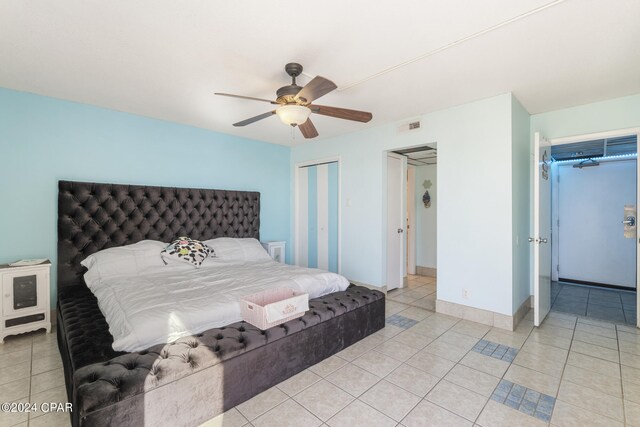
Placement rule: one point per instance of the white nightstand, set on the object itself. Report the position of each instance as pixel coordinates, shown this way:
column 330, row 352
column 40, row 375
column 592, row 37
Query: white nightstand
column 25, row 299
column 277, row 250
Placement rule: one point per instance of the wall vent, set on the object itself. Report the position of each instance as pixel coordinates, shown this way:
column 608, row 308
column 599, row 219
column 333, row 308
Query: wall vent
column 409, row 127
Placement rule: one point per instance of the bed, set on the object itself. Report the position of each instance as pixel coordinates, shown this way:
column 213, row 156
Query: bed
column 196, row 377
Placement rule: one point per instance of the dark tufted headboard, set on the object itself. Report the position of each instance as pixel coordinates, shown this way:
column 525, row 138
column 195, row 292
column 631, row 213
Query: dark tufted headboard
column 92, row 217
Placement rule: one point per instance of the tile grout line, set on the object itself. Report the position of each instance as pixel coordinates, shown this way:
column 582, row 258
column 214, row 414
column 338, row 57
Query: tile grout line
column 587, row 387
column 505, row 371
column 442, row 378
column 437, row 382
column 564, row 367
column 364, row 392
column 30, row 380
column 624, row 411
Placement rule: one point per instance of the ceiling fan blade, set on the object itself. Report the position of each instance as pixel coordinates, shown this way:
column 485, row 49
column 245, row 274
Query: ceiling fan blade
column 342, row 113
column 316, row 88
column 255, row 119
column 246, row 97
column 308, row 129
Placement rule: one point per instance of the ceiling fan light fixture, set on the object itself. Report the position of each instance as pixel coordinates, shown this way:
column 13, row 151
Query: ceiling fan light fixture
column 293, row 115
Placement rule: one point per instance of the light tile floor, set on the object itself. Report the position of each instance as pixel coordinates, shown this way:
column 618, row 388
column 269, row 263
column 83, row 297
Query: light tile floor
column 437, row 372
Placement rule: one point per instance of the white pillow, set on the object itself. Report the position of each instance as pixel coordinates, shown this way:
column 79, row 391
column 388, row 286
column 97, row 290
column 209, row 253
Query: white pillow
column 237, row 250
column 129, row 260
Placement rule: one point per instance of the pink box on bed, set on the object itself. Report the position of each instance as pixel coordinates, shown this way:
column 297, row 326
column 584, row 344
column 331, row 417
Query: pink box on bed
column 273, row 306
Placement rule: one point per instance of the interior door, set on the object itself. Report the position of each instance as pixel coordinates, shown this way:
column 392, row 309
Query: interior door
column 395, row 223
column 541, row 238
column 637, row 236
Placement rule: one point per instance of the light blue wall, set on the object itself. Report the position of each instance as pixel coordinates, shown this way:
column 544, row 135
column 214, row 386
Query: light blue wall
column 618, row 113
column 43, row 140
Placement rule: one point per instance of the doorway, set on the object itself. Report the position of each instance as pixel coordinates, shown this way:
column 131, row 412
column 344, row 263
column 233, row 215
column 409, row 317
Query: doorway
column 420, row 240
column 594, row 252
column 592, row 244
column 317, row 215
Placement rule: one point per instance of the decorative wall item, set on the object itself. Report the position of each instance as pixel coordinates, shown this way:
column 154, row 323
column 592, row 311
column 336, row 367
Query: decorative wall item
column 426, row 197
column 545, row 165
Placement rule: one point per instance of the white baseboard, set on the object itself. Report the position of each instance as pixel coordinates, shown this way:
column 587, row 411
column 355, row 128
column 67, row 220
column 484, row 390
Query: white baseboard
column 485, row 317
column 426, row 271
column 382, row 289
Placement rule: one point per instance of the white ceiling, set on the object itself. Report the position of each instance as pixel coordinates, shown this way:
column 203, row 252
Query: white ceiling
column 165, row 58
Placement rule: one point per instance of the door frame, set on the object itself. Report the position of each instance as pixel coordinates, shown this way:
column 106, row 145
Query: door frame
column 574, row 139
column 403, row 215
column 411, row 220
column 296, row 220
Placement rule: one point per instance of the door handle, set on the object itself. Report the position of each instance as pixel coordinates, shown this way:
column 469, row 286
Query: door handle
column 400, row 230
column 531, row 239
column 543, row 240
column 630, row 221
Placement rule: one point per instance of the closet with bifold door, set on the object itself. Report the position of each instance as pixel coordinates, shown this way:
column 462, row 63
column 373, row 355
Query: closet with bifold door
column 317, row 216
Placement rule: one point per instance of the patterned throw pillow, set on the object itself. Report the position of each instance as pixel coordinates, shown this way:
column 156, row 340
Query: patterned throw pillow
column 187, row 250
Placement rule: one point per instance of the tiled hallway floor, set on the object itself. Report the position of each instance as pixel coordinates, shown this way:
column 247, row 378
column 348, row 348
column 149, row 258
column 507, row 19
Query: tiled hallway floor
column 422, row 369
column 611, row 305
column 420, row 291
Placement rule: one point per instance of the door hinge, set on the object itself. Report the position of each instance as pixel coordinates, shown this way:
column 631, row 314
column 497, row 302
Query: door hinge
column 558, row 223
column 558, row 267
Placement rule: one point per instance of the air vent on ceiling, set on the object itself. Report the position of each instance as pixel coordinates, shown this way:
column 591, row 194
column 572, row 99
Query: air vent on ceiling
column 414, row 125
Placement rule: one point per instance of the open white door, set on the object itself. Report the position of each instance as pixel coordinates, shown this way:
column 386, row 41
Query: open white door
column 637, row 235
column 541, row 238
column 395, row 221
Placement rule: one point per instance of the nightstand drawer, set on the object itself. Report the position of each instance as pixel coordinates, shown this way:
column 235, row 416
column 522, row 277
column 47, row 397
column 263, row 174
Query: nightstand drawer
column 23, row 320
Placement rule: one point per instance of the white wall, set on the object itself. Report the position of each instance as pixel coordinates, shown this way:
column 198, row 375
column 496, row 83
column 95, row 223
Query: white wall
column 474, row 202
column 426, row 229
column 618, row 113
column 521, row 179
column 592, row 246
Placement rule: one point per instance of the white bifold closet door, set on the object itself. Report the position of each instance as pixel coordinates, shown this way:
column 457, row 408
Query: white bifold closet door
column 317, row 201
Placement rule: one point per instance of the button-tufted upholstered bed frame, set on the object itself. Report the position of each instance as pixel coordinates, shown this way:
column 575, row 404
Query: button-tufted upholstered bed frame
column 195, row 378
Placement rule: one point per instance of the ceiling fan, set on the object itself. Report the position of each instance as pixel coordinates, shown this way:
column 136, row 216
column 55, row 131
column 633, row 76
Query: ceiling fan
column 295, row 104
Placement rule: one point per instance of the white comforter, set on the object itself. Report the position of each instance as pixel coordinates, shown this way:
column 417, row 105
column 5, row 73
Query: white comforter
column 165, row 303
